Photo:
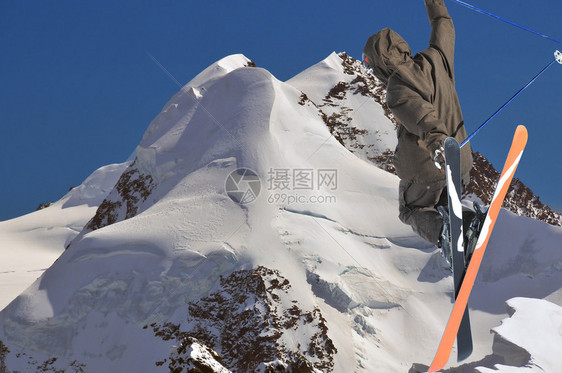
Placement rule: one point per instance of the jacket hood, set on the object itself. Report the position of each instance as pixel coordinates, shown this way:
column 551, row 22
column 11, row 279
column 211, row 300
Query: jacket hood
column 386, row 50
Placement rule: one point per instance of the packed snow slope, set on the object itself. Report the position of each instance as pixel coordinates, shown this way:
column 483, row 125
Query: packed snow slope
column 254, row 232
column 31, row 243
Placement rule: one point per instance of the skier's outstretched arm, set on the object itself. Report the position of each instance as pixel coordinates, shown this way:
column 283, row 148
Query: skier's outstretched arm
column 442, row 32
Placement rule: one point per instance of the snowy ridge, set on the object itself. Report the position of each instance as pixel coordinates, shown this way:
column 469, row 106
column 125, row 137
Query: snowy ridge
column 171, row 272
column 353, row 106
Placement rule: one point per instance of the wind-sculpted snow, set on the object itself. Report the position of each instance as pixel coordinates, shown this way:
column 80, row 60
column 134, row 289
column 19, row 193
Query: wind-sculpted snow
column 512, row 342
column 135, row 293
column 527, row 341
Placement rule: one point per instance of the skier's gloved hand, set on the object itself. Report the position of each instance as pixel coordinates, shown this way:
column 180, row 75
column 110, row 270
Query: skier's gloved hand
column 439, row 159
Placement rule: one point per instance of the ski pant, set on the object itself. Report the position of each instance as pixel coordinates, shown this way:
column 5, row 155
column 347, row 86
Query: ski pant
column 418, row 206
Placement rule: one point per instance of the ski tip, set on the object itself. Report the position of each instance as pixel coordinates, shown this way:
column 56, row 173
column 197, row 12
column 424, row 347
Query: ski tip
column 520, row 137
column 521, row 129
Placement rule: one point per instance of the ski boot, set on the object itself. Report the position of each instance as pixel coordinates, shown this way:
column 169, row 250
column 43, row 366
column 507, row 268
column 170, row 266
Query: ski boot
column 444, row 242
column 473, row 231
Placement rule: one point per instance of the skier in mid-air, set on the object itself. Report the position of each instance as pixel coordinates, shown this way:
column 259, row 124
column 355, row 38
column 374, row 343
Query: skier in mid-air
column 421, row 94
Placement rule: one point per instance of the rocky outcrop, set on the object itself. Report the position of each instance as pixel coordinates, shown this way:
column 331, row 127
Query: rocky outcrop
column 519, row 199
column 132, row 189
column 246, row 326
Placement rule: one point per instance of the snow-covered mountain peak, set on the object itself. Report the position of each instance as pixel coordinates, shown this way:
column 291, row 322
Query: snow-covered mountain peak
column 219, row 68
column 255, row 211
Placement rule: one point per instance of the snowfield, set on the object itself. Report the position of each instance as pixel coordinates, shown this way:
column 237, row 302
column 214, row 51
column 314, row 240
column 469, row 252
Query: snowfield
column 165, row 269
column 31, row 243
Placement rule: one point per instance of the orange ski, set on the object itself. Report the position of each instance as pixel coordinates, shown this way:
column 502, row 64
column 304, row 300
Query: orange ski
column 446, row 345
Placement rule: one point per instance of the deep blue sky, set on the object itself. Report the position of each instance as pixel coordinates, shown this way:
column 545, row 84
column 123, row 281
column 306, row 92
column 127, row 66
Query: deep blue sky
column 78, row 88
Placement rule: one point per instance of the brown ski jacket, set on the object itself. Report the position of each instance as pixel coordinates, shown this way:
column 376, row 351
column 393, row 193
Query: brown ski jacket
column 421, row 94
